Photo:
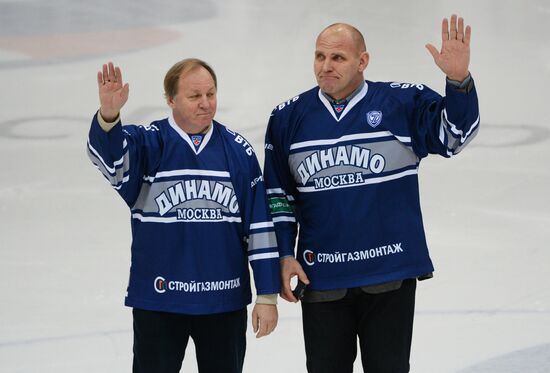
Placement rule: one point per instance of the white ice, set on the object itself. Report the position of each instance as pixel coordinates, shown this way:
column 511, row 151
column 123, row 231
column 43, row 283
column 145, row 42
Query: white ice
column 65, row 235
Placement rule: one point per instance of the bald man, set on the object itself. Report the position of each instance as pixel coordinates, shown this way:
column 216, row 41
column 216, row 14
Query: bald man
column 342, row 164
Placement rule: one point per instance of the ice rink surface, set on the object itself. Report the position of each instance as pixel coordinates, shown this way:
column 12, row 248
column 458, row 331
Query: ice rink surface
column 65, row 235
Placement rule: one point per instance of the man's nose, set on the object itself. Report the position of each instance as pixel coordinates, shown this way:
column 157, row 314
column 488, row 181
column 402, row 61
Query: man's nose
column 327, row 65
column 204, row 102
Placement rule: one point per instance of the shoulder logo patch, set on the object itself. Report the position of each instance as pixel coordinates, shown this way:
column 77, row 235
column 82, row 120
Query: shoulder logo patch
column 374, row 118
column 406, row 85
column 282, row 105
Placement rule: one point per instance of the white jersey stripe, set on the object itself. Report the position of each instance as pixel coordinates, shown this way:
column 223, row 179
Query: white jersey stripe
column 174, row 219
column 275, row 191
column 279, row 191
column 186, row 172
column 455, row 130
column 265, row 224
column 124, row 146
column 283, row 218
column 111, row 170
column 359, row 136
column 442, row 133
column 403, row 138
column 124, row 180
column 263, row 256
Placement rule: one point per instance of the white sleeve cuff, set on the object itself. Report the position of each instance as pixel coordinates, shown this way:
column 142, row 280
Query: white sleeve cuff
column 107, row 126
column 267, row 299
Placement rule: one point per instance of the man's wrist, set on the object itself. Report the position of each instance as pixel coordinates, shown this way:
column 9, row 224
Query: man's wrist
column 460, row 84
column 107, row 125
column 270, row 299
column 464, row 86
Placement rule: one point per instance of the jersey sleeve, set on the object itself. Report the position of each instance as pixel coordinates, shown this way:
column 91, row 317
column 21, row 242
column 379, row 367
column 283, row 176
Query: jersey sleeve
column 281, row 189
column 444, row 125
column 124, row 155
column 262, row 251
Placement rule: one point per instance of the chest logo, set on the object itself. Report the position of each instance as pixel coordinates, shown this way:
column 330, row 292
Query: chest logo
column 374, row 118
column 197, row 139
column 339, row 108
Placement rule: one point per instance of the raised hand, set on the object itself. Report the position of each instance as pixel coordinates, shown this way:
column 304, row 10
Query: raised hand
column 454, row 57
column 113, row 94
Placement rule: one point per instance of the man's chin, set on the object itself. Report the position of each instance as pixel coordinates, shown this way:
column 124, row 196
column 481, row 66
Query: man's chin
column 202, row 125
column 201, row 122
column 329, row 89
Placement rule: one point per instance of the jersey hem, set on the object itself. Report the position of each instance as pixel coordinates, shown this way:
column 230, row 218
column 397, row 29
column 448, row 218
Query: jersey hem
column 190, row 309
column 365, row 280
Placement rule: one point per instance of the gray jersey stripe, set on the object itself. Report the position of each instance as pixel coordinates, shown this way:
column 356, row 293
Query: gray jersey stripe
column 311, row 164
column 98, row 156
column 462, row 146
column 454, row 144
column 453, row 128
column 262, row 240
column 118, row 176
column 215, row 195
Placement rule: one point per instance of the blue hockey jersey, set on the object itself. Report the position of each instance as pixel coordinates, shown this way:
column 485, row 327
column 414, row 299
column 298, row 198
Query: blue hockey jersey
column 350, row 181
column 199, row 215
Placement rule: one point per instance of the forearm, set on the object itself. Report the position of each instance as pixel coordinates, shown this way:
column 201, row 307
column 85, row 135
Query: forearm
column 460, row 116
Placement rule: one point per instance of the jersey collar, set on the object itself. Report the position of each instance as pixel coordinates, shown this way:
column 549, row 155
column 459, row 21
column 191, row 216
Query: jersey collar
column 356, row 96
column 187, row 138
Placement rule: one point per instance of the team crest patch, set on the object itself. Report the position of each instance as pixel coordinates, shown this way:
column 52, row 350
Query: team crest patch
column 374, row 118
column 196, row 140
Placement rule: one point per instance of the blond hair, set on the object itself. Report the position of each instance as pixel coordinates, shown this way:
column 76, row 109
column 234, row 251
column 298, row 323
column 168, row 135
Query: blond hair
column 182, row 67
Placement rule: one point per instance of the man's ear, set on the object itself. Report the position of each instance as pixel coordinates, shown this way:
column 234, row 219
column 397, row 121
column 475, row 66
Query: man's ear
column 170, row 101
column 363, row 61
